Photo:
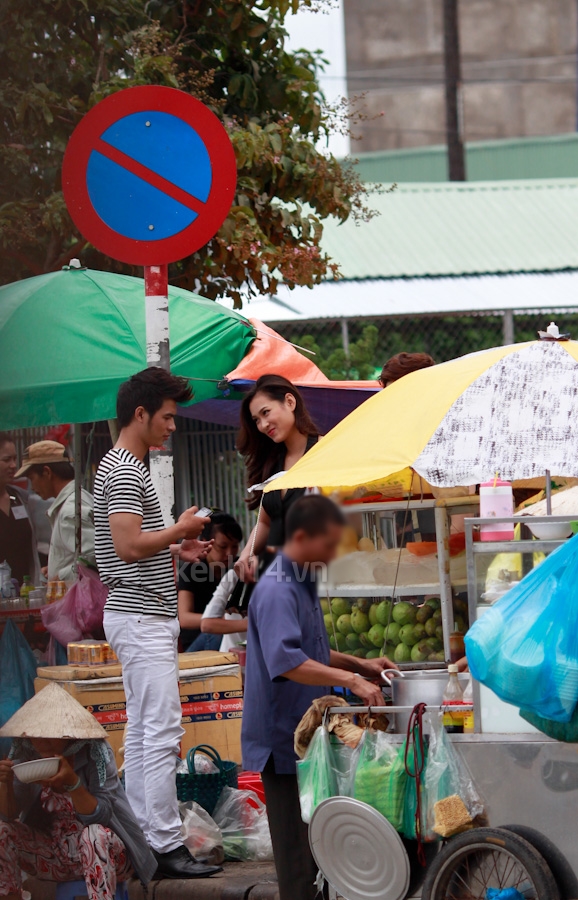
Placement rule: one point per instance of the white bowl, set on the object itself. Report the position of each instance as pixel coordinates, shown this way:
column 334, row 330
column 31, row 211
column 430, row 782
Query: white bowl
column 36, row 769
column 549, row 531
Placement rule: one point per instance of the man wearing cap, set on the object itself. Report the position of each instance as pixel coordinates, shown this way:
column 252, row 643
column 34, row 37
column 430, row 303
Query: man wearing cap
column 50, row 472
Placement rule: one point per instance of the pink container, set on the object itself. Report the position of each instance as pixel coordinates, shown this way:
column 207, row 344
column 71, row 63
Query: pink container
column 496, row 501
column 241, row 654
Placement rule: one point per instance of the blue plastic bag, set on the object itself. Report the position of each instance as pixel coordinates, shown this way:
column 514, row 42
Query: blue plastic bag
column 510, row 893
column 17, row 674
column 525, row 647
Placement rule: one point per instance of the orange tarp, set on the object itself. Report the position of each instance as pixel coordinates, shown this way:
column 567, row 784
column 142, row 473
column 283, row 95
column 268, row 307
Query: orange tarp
column 271, row 354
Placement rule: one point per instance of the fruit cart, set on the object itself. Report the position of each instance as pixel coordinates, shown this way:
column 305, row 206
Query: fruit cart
column 365, row 577
column 528, row 783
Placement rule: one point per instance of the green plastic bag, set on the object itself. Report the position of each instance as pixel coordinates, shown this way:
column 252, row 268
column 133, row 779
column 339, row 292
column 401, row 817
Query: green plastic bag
column 414, row 762
column 380, row 778
column 316, row 774
column 560, row 731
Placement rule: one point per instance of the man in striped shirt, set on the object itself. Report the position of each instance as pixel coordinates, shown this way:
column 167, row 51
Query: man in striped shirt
column 134, row 556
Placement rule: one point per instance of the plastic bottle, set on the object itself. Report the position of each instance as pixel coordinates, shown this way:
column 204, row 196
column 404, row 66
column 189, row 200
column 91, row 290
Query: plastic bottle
column 25, row 591
column 6, row 586
column 457, row 646
column 453, row 703
column 496, row 501
column 469, row 722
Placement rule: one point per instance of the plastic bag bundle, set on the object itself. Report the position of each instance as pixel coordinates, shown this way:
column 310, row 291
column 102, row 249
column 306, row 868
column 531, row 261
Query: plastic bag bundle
column 201, row 834
column 510, row 893
column 80, row 612
column 203, row 766
column 317, row 776
column 380, row 778
column 243, row 821
column 414, row 762
column 17, row 674
column 342, row 758
column 522, row 647
column 450, row 801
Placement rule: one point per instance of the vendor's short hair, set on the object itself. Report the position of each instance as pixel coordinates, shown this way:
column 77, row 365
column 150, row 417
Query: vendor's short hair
column 63, row 470
column 6, row 438
column 149, row 389
column 313, row 515
column 402, row 364
column 225, row 523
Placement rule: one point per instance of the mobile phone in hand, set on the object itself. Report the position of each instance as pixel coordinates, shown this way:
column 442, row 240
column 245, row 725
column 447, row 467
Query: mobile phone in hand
column 204, row 513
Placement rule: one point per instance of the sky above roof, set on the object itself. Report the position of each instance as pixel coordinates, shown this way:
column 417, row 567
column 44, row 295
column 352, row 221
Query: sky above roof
column 324, row 31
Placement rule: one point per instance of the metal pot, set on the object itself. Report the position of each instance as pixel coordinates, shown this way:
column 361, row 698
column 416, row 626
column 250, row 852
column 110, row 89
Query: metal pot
column 419, row 686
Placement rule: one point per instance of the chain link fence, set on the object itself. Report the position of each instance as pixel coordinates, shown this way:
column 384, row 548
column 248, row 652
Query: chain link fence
column 358, row 348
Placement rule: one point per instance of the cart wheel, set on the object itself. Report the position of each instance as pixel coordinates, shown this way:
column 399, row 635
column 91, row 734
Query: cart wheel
column 557, row 862
column 485, row 858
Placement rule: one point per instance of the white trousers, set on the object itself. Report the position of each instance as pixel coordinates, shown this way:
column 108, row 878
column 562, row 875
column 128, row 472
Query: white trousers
column 147, row 647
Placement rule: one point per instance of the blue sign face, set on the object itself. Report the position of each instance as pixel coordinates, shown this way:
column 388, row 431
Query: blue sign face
column 149, row 176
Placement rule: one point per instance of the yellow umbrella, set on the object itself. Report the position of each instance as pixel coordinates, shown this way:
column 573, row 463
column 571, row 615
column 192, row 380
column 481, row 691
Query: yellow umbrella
column 512, row 410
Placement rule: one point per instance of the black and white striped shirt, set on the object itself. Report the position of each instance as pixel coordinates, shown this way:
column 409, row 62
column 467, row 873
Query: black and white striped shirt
column 123, row 485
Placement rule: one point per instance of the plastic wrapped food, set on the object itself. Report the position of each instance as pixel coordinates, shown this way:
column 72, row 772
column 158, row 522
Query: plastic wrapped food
column 380, row 778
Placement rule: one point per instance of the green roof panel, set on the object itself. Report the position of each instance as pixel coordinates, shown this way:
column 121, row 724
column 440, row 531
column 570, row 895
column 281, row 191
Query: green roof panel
column 552, row 156
column 461, row 228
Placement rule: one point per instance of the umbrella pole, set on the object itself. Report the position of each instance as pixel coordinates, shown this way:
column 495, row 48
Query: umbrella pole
column 548, row 493
column 156, row 280
column 77, row 432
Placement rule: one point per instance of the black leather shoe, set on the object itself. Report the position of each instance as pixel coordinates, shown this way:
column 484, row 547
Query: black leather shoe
column 179, row 863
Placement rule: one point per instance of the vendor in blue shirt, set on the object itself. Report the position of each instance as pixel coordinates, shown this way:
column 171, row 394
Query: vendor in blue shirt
column 290, row 664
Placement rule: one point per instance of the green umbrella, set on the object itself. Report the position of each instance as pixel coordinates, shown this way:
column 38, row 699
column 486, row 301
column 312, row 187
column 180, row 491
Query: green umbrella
column 68, row 339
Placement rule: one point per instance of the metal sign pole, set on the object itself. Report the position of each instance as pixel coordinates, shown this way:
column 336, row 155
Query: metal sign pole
column 158, row 354
column 77, row 447
column 128, row 154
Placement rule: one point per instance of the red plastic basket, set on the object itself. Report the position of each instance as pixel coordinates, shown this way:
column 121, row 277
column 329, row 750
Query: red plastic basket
column 251, row 781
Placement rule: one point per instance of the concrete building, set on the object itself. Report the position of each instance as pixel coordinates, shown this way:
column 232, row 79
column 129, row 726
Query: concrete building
column 519, row 69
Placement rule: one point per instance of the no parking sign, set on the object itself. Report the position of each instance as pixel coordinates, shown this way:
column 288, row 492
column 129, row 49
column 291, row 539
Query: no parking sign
column 149, row 175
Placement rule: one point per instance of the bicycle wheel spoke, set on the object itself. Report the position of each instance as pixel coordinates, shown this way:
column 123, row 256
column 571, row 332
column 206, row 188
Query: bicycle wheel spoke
column 479, row 868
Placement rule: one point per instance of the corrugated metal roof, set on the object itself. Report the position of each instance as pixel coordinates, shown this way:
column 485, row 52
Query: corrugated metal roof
column 551, row 156
column 420, row 296
column 461, row 228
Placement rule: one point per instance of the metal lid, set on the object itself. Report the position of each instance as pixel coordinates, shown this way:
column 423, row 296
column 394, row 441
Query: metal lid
column 360, row 854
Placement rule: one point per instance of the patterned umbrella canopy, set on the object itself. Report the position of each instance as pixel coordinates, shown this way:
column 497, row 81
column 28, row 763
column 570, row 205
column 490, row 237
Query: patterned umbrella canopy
column 511, row 410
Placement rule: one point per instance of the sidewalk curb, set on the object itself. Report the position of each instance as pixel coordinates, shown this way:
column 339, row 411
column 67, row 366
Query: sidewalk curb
column 239, row 881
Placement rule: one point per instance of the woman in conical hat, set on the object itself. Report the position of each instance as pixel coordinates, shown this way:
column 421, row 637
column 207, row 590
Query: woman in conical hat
column 76, row 824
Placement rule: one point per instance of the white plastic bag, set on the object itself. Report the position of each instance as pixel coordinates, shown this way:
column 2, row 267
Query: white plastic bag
column 203, row 766
column 201, row 834
column 242, row 818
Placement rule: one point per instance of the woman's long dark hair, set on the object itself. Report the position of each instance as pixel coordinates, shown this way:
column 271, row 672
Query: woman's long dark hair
column 260, row 453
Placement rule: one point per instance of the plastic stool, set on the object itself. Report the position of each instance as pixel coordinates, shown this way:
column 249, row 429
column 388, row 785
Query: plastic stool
column 68, row 890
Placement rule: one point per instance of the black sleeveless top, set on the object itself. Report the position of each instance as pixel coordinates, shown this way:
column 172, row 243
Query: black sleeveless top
column 276, row 505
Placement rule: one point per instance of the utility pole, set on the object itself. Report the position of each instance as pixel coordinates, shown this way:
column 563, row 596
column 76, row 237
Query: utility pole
column 453, row 90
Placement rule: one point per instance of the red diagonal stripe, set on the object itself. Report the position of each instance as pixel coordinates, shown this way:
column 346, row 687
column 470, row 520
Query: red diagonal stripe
column 157, row 181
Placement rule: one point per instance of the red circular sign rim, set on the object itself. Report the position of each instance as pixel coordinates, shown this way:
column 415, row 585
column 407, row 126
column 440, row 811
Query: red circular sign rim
column 149, row 98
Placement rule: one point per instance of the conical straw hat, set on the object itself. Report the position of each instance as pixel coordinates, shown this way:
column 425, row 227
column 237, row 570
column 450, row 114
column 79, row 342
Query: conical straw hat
column 53, row 713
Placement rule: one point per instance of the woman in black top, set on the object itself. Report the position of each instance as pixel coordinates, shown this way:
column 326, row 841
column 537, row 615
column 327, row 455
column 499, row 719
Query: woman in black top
column 17, row 543
column 276, row 431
